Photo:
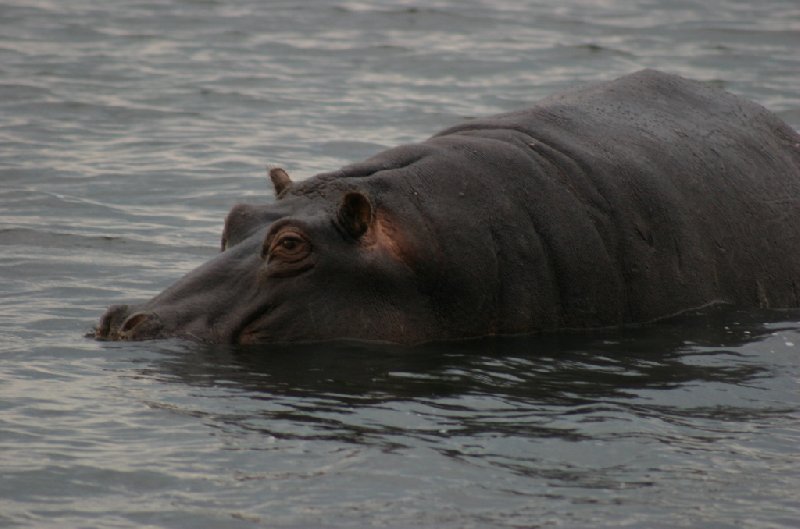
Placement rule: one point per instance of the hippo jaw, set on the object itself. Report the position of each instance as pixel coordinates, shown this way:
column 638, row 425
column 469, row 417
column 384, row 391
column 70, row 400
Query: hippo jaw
column 126, row 323
column 139, row 323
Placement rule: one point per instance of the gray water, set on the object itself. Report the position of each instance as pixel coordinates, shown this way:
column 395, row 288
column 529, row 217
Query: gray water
column 128, row 130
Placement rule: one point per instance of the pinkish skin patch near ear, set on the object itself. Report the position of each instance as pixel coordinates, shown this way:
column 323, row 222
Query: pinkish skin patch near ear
column 387, row 235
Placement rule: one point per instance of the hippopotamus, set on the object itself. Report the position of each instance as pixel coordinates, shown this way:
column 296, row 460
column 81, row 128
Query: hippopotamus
column 609, row 205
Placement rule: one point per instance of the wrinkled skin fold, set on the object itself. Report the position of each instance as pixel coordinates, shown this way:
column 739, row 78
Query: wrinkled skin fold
column 618, row 203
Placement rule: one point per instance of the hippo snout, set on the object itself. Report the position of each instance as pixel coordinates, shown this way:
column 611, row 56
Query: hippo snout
column 121, row 322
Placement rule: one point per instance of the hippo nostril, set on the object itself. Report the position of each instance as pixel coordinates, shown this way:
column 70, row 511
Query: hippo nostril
column 134, row 321
column 111, row 321
column 140, row 326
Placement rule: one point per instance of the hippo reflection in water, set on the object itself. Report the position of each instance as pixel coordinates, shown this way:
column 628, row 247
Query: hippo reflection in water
column 619, row 203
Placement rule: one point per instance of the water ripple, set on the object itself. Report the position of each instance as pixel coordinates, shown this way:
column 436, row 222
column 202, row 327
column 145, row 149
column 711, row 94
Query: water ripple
column 130, row 129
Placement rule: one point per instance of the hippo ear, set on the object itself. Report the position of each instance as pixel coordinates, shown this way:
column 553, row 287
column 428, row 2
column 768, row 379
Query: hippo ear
column 280, row 179
column 355, row 214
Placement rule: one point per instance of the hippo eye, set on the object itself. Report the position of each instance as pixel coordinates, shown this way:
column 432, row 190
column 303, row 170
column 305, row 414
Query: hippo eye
column 290, row 243
column 289, row 246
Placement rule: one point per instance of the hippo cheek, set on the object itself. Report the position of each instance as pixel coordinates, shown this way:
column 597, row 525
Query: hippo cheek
column 251, row 336
column 278, row 320
column 253, row 327
column 255, row 330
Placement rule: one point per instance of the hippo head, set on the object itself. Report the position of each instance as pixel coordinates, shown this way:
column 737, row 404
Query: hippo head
column 326, row 260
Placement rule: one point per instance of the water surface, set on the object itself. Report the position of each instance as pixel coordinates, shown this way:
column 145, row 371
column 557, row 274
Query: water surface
column 129, row 129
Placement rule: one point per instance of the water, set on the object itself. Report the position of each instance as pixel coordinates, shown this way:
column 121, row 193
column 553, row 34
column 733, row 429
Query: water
column 130, row 128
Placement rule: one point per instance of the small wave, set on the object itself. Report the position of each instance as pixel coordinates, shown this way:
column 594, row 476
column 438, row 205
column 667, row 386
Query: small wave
column 593, row 48
column 16, row 92
column 48, row 239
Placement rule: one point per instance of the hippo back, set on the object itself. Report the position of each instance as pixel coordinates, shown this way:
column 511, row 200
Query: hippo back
column 626, row 201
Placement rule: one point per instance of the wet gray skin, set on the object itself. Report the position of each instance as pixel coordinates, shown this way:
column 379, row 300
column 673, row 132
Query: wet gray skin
column 615, row 204
column 285, row 277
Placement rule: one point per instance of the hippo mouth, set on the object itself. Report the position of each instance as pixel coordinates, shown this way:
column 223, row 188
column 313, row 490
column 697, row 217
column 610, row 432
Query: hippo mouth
column 251, row 329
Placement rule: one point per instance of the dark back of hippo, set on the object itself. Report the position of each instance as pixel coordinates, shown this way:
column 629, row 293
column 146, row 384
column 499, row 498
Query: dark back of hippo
column 619, row 203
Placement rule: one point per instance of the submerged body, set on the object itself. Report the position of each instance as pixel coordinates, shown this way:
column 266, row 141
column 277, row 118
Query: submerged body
column 619, row 203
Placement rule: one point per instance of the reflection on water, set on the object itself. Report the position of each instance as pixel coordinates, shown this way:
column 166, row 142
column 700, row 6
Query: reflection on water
column 487, row 386
column 636, row 424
